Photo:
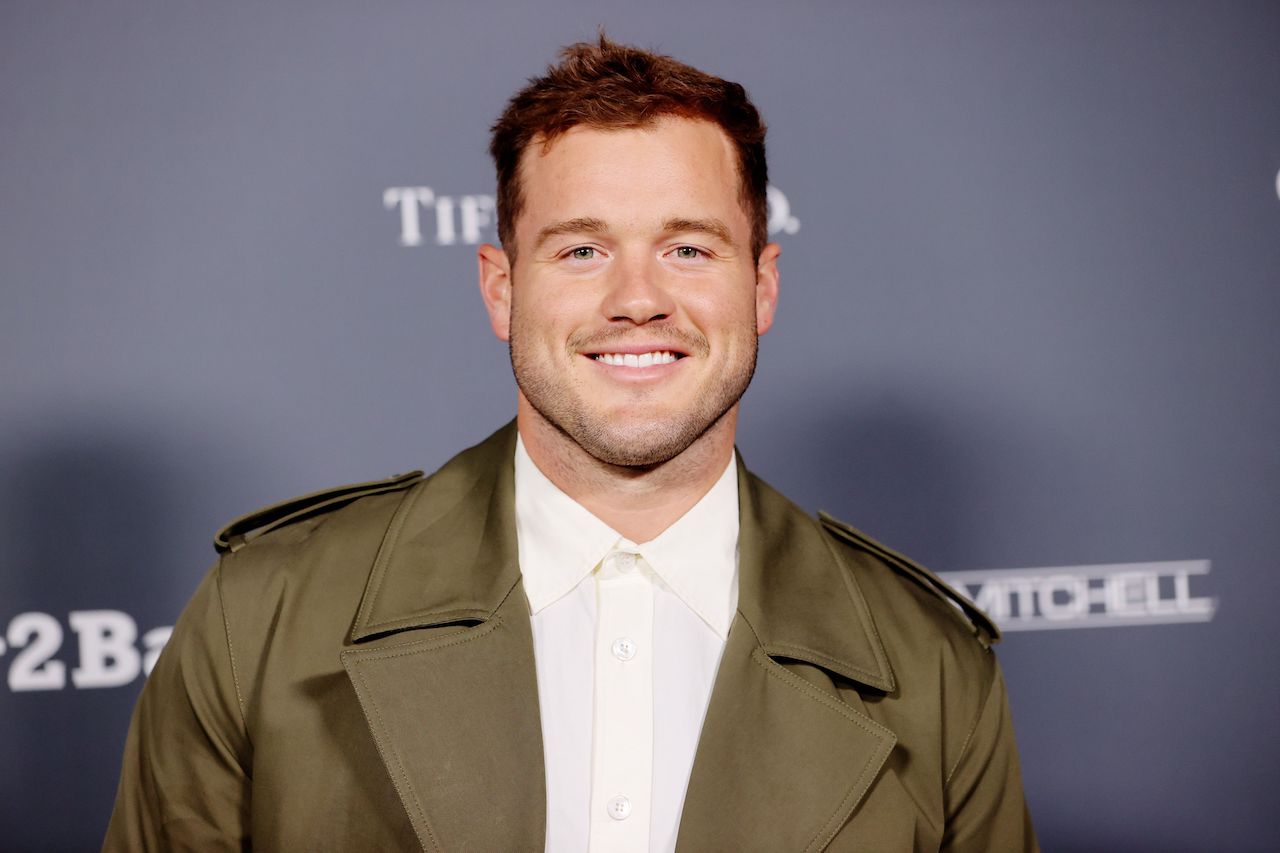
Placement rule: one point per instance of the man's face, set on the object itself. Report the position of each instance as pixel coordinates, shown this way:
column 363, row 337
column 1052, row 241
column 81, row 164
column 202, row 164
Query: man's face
column 634, row 304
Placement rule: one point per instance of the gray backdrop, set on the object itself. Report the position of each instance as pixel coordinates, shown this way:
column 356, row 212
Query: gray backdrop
column 1029, row 319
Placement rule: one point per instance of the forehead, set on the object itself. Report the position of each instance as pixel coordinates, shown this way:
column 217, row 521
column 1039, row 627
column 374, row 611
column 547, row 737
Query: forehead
column 671, row 167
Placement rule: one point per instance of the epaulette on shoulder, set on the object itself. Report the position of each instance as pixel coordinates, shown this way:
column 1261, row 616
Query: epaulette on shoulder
column 980, row 623
column 240, row 532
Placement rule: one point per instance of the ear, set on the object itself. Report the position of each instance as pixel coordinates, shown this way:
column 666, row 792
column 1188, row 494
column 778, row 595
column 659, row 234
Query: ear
column 767, row 287
column 495, row 288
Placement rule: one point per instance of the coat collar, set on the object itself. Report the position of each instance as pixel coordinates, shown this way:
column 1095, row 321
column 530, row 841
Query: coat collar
column 796, row 593
column 774, row 742
column 449, row 554
column 454, row 711
column 789, row 569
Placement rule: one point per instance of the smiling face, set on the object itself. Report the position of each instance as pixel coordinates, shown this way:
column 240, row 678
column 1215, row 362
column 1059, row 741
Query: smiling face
column 634, row 303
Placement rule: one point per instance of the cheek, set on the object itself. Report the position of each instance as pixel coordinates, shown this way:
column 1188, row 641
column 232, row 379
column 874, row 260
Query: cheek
column 540, row 328
column 733, row 317
column 552, row 302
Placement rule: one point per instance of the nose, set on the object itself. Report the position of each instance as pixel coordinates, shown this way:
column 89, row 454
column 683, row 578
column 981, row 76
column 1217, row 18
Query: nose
column 636, row 293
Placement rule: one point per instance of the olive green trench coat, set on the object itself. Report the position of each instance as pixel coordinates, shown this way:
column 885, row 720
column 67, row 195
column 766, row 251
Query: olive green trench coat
column 360, row 677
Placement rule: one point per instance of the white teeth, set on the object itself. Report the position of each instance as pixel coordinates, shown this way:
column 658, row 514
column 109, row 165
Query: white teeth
column 646, row 359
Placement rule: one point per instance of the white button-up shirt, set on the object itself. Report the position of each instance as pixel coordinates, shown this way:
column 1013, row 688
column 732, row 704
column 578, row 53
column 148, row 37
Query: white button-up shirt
column 627, row 638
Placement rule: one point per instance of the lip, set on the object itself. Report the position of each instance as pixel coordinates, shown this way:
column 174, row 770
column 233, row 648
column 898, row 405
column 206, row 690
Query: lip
column 638, row 349
column 622, row 373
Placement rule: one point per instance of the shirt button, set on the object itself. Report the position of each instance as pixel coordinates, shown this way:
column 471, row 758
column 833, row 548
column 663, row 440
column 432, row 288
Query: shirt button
column 619, row 808
column 625, row 561
column 624, row 648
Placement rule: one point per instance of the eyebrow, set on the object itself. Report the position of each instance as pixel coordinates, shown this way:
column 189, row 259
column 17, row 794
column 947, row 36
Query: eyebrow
column 590, row 225
column 580, row 225
column 712, row 227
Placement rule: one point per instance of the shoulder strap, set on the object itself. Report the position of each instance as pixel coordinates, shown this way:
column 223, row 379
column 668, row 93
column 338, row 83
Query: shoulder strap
column 236, row 535
column 983, row 628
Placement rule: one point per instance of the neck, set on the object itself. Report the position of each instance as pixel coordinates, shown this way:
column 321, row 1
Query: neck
column 639, row 503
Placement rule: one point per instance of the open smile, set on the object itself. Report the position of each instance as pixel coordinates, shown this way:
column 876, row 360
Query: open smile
column 641, row 359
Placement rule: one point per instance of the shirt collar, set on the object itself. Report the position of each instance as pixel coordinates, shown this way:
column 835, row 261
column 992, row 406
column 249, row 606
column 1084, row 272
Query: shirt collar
column 697, row 556
column 560, row 542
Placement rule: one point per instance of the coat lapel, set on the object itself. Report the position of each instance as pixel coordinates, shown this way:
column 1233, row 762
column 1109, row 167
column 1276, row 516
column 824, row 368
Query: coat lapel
column 782, row 763
column 442, row 661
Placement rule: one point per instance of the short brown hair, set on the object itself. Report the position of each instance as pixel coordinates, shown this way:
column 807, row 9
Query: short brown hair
column 610, row 86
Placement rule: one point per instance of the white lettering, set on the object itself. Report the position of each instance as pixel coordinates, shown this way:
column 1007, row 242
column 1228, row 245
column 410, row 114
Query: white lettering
column 108, row 646
column 477, row 215
column 408, row 199
column 1022, row 603
column 1074, row 602
column 468, row 218
column 32, row 669
column 446, row 235
column 1126, row 594
column 1202, row 607
column 993, row 599
column 1089, row 596
column 107, row 655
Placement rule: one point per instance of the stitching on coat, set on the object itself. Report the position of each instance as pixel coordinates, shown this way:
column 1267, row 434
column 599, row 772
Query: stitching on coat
column 411, row 648
column 859, row 787
column 920, row 575
column 396, row 651
column 964, row 747
column 507, row 594
column 388, row 545
column 799, row 684
column 401, row 784
column 826, row 659
column 231, row 652
column 869, row 623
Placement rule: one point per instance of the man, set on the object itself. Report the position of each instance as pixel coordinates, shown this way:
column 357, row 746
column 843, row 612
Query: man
column 596, row 630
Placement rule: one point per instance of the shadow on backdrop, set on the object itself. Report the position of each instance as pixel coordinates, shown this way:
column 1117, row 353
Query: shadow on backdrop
column 888, row 466
column 95, row 519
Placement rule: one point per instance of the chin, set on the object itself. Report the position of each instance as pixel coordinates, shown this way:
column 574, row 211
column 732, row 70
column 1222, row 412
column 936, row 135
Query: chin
column 646, row 443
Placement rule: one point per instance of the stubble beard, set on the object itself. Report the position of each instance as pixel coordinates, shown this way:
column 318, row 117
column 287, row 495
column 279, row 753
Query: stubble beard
column 631, row 444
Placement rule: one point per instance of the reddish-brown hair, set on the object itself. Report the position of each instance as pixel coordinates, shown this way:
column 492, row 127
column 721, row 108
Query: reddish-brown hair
column 607, row 85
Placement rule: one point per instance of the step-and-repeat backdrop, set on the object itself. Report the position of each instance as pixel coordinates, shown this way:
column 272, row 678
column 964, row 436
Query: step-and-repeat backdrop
column 1029, row 334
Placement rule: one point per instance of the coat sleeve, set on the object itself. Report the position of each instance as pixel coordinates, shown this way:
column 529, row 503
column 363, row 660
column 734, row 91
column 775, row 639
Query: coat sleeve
column 986, row 808
column 184, row 783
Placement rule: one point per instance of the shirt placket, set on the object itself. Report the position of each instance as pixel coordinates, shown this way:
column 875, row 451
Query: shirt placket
column 622, row 771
